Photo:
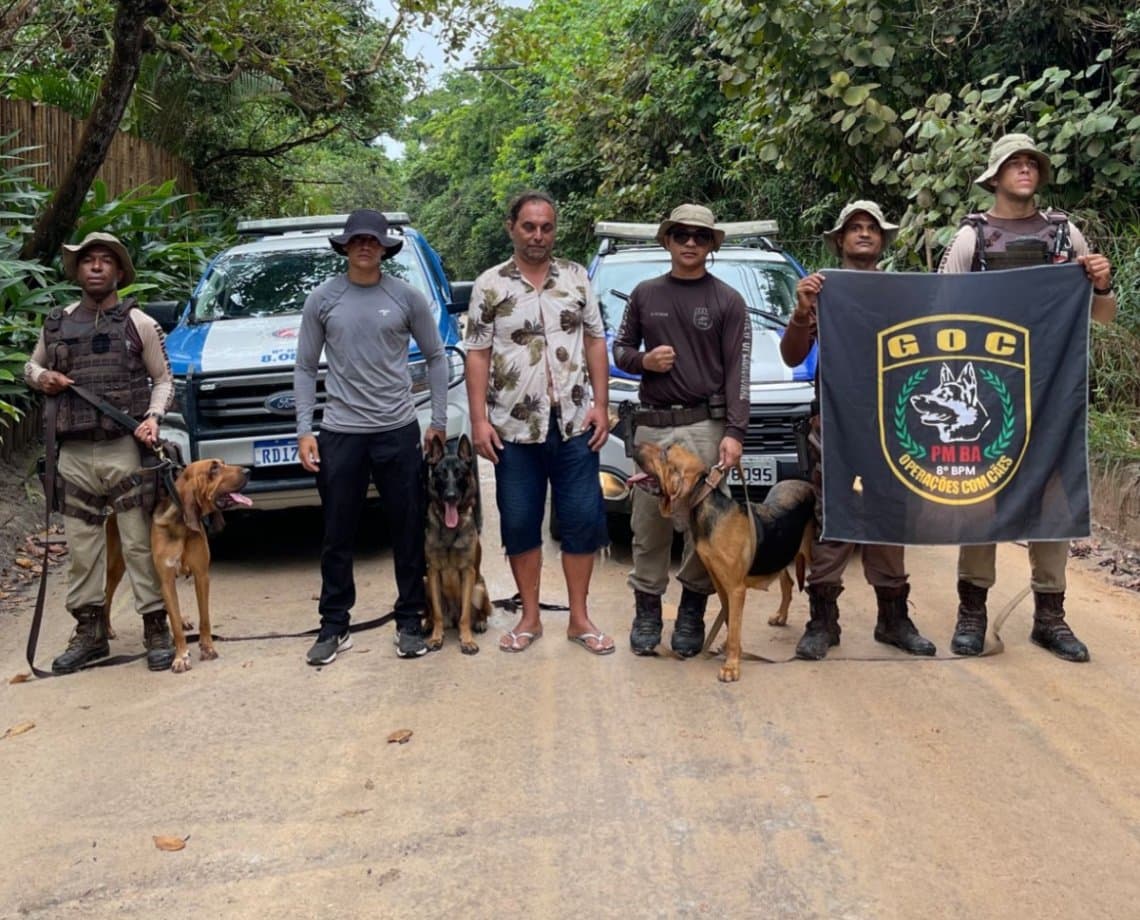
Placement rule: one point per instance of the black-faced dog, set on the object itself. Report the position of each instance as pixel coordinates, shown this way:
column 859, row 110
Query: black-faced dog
column 456, row 593
column 738, row 553
column 953, row 406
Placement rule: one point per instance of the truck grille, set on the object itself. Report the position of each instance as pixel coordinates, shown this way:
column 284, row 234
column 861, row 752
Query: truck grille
column 237, row 405
column 771, row 429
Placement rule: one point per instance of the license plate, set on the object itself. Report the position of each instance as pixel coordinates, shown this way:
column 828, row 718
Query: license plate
column 278, row 452
column 758, row 471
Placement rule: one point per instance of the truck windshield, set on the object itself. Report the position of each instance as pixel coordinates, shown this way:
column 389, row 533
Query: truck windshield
column 767, row 287
column 276, row 282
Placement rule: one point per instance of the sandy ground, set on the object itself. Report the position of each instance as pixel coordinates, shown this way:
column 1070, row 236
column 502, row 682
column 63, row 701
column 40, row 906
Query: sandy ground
column 557, row 784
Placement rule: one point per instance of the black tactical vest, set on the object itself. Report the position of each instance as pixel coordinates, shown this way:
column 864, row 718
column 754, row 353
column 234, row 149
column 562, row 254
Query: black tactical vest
column 105, row 357
column 996, row 248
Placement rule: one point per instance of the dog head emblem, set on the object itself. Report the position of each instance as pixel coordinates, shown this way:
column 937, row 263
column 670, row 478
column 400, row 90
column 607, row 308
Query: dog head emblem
column 953, row 406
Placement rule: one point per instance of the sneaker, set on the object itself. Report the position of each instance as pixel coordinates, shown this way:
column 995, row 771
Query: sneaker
column 410, row 644
column 324, row 651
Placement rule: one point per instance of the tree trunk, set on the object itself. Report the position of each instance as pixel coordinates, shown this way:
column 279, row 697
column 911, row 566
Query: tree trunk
column 57, row 220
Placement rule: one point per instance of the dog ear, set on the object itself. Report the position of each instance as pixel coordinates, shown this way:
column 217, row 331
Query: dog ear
column 188, row 499
column 464, row 451
column 435, row 451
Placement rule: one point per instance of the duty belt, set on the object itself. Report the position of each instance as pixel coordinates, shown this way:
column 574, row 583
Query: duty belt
column 673, row 416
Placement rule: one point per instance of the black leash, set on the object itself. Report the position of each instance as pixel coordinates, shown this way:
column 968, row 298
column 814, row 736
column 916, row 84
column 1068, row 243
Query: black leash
column 515, row 603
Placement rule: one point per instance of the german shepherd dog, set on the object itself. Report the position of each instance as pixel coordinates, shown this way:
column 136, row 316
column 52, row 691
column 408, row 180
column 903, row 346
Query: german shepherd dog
column 456, row 593
column 738, row 552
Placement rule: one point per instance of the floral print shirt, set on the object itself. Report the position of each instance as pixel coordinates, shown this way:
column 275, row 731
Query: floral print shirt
column 537, row 342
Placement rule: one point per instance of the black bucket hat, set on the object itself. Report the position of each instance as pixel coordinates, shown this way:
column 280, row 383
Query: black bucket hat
column 366, row 222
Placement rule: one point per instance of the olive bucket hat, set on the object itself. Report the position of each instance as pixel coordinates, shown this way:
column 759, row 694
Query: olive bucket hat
column 71, row 254
column 366, row 222
column 1003, row 149
column 831, row 237
column 691, row 215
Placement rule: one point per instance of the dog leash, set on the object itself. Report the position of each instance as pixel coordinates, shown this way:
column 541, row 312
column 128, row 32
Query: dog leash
column 997, row 647
column 514, row 603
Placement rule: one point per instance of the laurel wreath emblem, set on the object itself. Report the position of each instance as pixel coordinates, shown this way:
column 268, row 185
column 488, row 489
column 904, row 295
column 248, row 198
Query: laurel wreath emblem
column 1005, row 436
column 902, row 432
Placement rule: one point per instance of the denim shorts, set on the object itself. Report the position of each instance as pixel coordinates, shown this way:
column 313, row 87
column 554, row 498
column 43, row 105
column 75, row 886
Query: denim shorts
column 520, row 492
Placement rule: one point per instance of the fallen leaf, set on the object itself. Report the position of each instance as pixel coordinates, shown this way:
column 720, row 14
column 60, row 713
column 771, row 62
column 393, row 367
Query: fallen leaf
column 24, row 562
column 354, row 813
column 170, row 844
column 20, row 727
column 368, row 784
column 400, row 736
column 21, row 678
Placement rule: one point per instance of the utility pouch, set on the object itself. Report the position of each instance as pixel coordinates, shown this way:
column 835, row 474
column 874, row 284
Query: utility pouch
column 718, row 407
column 802, row 429
column 627, row 422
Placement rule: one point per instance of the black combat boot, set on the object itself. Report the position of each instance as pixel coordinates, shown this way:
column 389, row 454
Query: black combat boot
column 1050, row 630
column 88, row 642
column 894, row 626
column 157, row 639
column 970, row 631
column 689, row 630
column 645, row 634
column 822, row 630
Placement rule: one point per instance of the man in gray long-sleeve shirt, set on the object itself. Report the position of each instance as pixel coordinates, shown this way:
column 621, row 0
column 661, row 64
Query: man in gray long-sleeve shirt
column 363, row 321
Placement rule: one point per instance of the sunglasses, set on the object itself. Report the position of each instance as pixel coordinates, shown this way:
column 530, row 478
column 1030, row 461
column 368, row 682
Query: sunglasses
column 683, row 235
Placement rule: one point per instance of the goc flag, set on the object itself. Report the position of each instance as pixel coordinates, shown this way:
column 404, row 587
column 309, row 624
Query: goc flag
column 955, row 406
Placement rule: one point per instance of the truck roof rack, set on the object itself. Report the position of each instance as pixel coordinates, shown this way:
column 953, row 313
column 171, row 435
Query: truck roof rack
column 279, row 225
column 621, row 230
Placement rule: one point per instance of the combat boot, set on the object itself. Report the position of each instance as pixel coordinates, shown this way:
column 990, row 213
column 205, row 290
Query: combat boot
column 822, row 629
column 157, row 639
column 1050, row 630
column 645, row 634
column 689, row 630
column 895, row 627
column 88, row 642
column 970, row 631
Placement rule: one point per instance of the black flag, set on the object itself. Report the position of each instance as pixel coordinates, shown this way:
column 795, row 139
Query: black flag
column 955, row 406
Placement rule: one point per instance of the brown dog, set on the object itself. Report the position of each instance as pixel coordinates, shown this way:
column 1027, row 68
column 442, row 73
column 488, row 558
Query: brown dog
column 737, row 552
column 456, row 593
column 178, row 545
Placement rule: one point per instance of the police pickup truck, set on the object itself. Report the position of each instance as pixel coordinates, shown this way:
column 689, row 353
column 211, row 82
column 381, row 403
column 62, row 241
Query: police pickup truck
column 232, row 349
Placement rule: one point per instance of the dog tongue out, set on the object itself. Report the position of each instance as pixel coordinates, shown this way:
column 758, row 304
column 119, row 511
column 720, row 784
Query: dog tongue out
column 238, row 499
column 450, row 516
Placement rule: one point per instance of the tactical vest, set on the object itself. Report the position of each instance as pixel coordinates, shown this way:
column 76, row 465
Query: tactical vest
column 996, row 248
column 99, row 357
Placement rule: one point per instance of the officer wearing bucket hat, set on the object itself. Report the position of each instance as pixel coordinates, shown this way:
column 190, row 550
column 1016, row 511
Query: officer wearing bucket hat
column 363, row 321
column 687, row 334
column 105, row 345
column 858, row 239
column 1014, row 232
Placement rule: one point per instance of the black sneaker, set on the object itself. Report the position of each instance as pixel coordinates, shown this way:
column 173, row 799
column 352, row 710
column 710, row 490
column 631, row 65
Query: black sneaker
column 410, row 644
column 324, row 651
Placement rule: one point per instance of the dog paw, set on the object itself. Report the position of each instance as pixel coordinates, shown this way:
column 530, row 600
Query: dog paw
column 778, row 620
column 206, row 653
column 468, row 648
column 479, row 626
column 434, row 643
column 181, row 664
column 187, row 625
column 730, row 673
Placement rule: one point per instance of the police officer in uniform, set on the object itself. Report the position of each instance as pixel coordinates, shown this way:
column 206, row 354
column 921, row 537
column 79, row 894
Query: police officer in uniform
column 113, row 349
column 1016, row 233
column 858, row 239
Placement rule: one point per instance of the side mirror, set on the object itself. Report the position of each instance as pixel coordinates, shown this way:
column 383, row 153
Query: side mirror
column 460, row 296
column 164, row 312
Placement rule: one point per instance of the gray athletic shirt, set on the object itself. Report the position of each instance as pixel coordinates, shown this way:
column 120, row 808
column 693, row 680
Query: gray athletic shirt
column 364, row 331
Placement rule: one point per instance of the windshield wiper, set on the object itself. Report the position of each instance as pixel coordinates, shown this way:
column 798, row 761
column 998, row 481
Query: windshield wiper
column 621, row 295
column 776, row 318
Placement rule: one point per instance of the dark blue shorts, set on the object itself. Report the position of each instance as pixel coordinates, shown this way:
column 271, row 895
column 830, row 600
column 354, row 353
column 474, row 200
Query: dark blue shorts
column 571, row 468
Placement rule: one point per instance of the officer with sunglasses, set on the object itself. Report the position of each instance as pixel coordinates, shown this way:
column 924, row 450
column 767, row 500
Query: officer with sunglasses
column 687, row 334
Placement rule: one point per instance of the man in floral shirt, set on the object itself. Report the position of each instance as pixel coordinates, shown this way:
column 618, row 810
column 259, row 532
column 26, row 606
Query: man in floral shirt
column 537, row 377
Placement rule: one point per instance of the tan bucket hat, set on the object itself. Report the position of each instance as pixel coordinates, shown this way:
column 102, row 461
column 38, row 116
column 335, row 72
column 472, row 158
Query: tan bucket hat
column 70, row 255
column 691, row 215
column 890, row 231
column 1003, row 149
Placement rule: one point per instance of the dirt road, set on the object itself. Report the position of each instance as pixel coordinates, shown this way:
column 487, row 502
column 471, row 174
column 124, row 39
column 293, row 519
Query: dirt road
column 556, row 784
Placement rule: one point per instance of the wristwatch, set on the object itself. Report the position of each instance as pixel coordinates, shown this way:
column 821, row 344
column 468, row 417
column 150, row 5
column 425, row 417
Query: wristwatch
column 1103, row 292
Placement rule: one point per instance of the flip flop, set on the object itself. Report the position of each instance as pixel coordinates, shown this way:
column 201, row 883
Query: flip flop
column 529, row 638
column 598, row 638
